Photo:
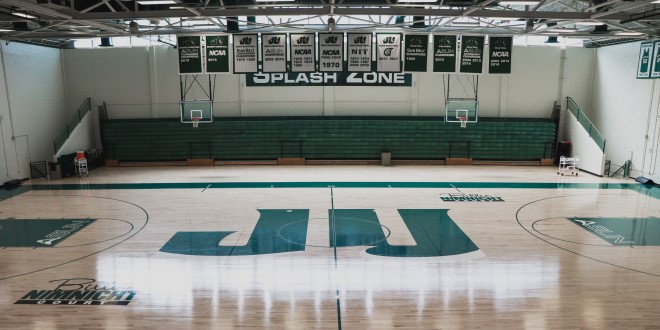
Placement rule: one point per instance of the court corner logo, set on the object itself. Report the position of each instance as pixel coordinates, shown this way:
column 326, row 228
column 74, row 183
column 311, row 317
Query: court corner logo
column 461, row 197
column 79, row 291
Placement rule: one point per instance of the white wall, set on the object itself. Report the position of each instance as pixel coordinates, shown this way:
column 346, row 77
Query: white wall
column 32, row 106
column 82, row 138
column 626, row 110
column 143, row 83
column 592, row 158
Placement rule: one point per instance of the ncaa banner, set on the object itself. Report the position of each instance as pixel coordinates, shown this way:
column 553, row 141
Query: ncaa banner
column 273, row 52
column 644, row 64
column 655, row 69
column 217, row 54
column 331, row 52
column 359, row 52
column 444, row 54
column 499, row 55
column 388, row 52
column 190, row 54
column 472, row 54
column 303, row 52
column 245, row 53
column 415, row 52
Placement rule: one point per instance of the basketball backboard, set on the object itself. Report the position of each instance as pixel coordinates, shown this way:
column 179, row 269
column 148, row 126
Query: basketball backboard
column 457, row 108
column 202, row 109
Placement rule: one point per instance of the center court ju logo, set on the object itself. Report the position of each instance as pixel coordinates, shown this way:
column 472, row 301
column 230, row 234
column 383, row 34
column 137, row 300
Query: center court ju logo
column 280, row 231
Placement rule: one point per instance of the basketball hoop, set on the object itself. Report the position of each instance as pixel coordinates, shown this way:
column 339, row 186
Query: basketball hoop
column 463, row 120
column 195, row 121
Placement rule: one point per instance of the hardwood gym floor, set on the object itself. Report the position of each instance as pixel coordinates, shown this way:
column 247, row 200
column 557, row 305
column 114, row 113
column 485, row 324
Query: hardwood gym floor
column 350, row 247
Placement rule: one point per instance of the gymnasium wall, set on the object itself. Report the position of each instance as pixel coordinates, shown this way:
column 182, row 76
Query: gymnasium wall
column 33, row 106
column 626, row 110
column 143, row 83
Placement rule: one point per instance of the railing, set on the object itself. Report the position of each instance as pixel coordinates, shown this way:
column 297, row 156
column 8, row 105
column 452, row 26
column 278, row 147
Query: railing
column 625, row 168
column 71, row 124
column 586, row 123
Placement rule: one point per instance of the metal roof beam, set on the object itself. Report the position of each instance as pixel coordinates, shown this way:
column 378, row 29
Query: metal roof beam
column 292, row 11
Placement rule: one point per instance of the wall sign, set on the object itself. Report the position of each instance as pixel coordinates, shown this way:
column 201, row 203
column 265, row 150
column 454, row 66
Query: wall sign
column 381, row 79
column 331, row 52
column 245, row 53
column 472, row 54
column 388, row 52
column 190, row 55
column 444, row 53
column 359, row 52
column 415, row 52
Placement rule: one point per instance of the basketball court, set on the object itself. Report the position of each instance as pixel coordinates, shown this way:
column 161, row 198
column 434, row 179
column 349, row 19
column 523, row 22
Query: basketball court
column 349, row 247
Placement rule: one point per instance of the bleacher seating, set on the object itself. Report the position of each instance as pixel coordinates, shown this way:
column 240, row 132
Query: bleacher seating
column 267, row 138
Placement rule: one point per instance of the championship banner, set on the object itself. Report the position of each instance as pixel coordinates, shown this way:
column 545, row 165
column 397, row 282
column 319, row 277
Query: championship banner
column 472, row 54
column 388, row 52
column 245, row 53
column 303, row 52
column 331, row 52
column 444, row 53
column 644, row 64
column 359, row 52
column 416, row 52
column 273, row 52
column 499, row 55
column 217, row 54
column 655, row 70
column 190, row 55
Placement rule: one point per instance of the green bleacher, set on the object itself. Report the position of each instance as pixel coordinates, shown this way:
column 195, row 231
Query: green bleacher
column 328, row 138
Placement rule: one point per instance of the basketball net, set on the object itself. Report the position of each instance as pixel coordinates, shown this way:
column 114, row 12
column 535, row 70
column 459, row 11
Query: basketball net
column 463, row 121
column 195, row 121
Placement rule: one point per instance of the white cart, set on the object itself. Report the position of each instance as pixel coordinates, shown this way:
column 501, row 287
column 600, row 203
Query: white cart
column 568, row 164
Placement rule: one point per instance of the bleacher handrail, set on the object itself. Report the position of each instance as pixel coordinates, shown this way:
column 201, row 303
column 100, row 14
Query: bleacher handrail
column 594, row 134
column 64, row 134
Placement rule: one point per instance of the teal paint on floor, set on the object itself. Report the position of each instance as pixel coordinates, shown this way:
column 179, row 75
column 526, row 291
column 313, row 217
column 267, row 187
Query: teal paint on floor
column 623, row 231
column 355, row 227
column 39, row 232
column 277, row 231
column 435, row 233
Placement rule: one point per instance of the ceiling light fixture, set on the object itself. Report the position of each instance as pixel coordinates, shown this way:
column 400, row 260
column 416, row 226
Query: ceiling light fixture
column 588, row 23
column 421, row 1
column 24, row 15
column 562, row 30
column 156, row 2
column 519, row 3
column 625, row 33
